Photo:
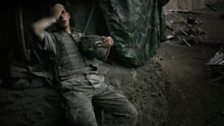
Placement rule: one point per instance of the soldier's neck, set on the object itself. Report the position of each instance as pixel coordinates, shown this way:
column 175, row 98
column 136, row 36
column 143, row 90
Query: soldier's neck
column 67, row 30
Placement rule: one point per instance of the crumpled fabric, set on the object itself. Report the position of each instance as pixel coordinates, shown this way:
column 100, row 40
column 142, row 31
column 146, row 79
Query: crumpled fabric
column 137, row 27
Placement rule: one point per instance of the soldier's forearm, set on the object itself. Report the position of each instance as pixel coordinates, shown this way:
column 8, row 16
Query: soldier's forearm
column 41, row 25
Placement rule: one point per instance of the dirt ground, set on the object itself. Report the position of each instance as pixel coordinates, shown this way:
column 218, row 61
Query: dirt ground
column 194, row 100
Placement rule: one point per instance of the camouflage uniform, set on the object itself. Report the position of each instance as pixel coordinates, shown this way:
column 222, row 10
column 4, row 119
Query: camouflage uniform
column 82, row 85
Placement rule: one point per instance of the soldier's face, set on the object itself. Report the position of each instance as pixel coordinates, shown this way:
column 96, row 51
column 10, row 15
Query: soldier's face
column 63, row 20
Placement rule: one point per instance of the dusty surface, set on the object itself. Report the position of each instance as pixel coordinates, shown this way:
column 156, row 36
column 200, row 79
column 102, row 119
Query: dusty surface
column 30, row 107
column 213, row 23
column 195, row 101
column 146, row 87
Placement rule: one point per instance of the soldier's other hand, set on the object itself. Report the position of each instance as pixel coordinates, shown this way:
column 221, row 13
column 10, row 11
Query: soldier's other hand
column 57, row 10
column 107, row 41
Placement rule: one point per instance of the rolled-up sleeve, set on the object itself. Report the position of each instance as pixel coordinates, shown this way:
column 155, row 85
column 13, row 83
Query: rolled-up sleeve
column 49, row 42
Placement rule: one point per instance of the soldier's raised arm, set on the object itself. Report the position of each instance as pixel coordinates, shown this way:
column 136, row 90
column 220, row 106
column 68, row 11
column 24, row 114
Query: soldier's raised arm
column 40, row 25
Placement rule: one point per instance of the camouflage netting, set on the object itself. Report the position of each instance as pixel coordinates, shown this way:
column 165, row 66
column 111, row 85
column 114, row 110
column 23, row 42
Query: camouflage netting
column 137, row 26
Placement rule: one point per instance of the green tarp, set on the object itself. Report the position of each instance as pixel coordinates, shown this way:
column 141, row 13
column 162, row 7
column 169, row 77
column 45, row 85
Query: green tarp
column 137, row 26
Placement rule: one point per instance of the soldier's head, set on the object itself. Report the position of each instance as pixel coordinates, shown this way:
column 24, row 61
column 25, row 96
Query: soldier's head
column 63, row 19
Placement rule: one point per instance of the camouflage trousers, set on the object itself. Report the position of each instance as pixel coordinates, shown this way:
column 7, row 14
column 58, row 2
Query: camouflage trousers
column 80, row 96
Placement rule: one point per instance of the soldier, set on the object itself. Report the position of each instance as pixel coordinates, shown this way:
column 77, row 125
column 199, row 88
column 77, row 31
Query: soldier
column 80, row 83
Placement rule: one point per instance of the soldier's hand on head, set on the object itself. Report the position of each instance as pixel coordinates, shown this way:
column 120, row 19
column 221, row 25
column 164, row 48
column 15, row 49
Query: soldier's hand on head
column 57, row 10
column 107, row 41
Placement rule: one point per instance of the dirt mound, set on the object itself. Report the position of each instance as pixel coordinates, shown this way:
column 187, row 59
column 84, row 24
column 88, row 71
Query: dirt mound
column 146, row 87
